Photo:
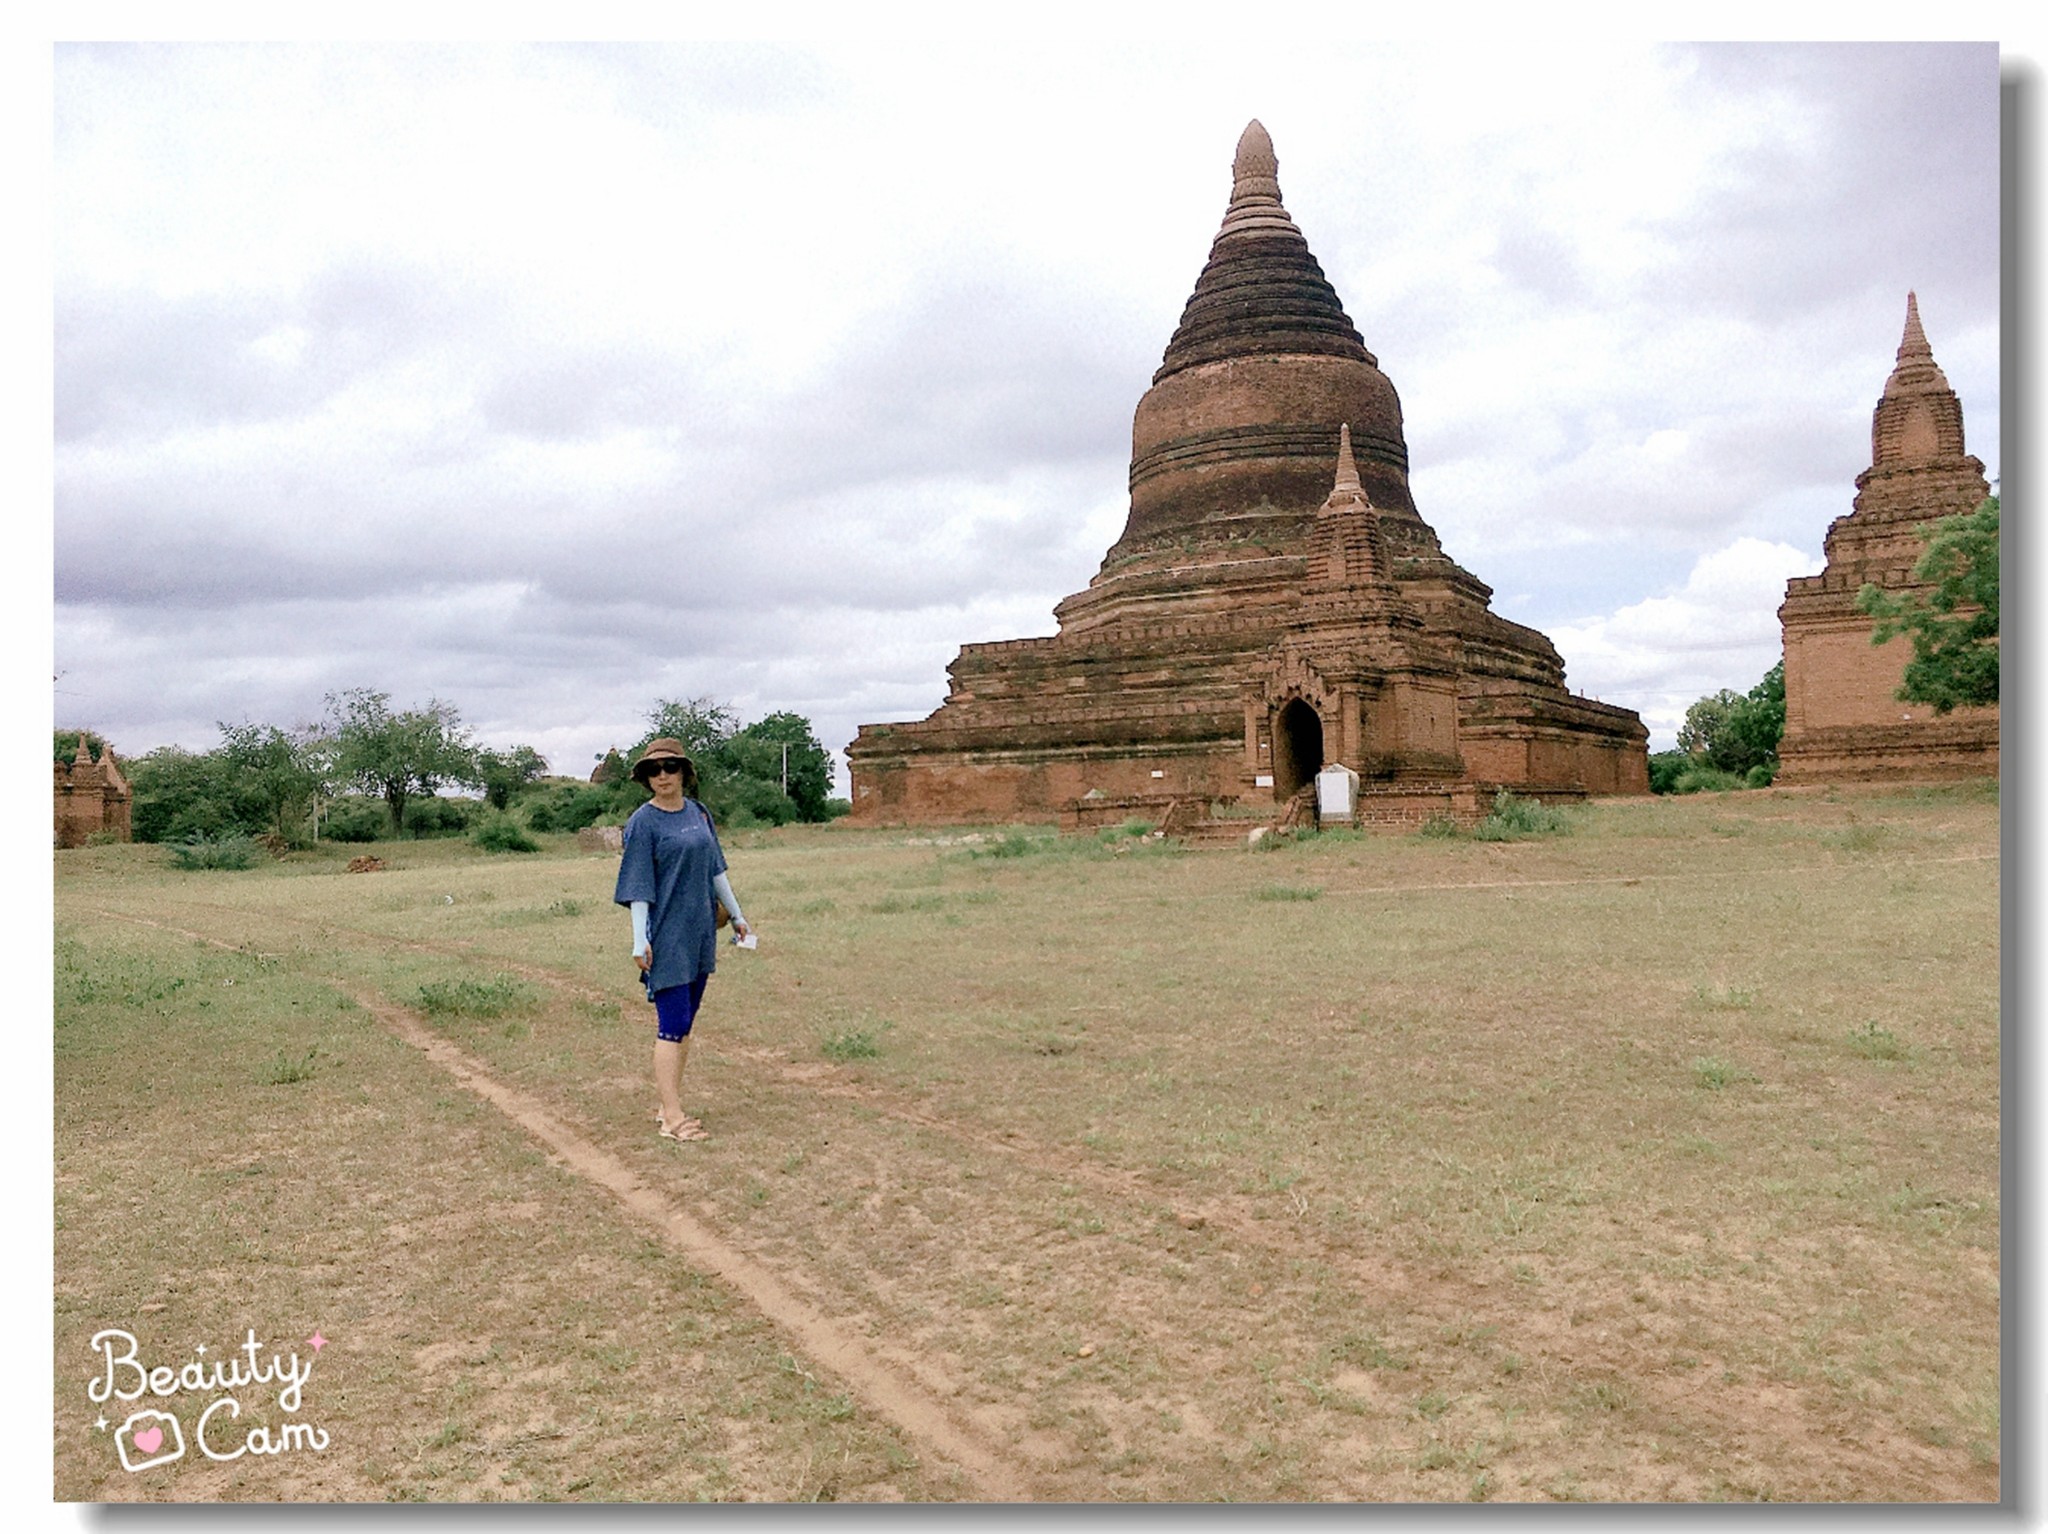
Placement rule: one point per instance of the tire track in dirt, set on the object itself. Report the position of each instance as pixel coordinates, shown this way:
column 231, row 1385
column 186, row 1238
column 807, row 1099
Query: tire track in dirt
column 925, row 1421
column 1436, row 1298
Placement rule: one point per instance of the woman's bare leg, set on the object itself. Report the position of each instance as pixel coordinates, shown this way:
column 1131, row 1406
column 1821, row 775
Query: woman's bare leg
column 669, row 1055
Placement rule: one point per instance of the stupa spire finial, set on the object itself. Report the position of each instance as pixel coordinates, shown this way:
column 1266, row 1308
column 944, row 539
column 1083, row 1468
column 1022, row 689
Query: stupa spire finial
column 1347, row 466
column 1916, row 371
column 1913, row 345
column 1255, row 206
column 1255, row 172
column 1348, row 493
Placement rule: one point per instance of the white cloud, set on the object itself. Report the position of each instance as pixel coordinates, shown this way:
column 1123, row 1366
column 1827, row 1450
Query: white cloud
column 1720, row 629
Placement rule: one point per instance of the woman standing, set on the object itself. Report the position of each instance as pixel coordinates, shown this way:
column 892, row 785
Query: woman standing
column 671, row 872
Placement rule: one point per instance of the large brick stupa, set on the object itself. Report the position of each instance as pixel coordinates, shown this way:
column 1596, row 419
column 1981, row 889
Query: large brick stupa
column 1276, row 602
column 1842, row 722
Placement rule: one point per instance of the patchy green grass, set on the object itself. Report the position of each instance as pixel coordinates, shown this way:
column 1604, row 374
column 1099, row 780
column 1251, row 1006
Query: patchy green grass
column 1875, row 1042
column 1715, row 1073
column 493, row 997
column 851, row 1044
column 1287, row 892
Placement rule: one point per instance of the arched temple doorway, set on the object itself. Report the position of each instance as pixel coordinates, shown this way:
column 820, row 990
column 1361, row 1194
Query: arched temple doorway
column 1297, row 747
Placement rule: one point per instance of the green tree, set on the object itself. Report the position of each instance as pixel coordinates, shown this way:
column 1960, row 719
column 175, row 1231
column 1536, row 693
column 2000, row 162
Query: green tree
column 505, row 773
column 180, row 793
column 740, row 770
column 1737, row 732
column 1706, row 724
column 1757, row 725
column 701, row 724
column 782, row 748
column 1955, row 627
column 283, row 775
column 398, row 756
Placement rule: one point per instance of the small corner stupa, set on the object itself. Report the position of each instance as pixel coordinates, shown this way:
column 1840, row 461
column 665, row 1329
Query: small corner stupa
column 1842, row 722
column 90, row 798
column 1276, row 604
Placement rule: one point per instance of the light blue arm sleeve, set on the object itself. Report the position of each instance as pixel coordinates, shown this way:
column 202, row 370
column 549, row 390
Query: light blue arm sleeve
column 639, row 928
column 721, row 886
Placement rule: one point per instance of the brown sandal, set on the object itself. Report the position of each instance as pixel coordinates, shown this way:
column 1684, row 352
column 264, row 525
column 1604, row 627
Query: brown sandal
column 688, row 1130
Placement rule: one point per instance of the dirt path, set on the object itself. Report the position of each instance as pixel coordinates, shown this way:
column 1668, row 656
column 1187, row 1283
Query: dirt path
column 887, row 1391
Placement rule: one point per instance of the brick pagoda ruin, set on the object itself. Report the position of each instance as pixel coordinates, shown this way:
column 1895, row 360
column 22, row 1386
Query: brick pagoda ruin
column 1275, row 603
column 1842, row 722
column 91, row 798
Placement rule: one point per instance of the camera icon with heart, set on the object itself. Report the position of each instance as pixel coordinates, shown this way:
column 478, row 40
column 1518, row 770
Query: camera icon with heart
column 148, row 1438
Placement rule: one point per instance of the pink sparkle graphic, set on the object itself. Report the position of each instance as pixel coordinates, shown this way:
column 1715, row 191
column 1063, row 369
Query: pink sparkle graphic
column 316, row 1342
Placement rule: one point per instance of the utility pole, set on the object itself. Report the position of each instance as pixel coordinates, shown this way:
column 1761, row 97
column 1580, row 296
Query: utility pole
column 785, row 769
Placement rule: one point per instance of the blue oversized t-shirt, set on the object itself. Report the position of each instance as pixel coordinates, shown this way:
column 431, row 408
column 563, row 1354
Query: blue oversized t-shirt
column 670, row 859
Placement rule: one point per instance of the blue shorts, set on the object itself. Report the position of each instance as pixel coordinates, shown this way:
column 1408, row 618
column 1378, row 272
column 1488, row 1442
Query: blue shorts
column 675, row 1009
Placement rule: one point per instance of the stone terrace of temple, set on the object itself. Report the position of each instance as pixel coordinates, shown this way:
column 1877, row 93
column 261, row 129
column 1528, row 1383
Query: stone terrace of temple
column 1275, row 603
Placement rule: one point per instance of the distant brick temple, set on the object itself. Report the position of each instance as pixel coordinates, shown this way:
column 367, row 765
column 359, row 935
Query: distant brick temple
column 1842, row 722
column 1275, row 603
column 91, row 797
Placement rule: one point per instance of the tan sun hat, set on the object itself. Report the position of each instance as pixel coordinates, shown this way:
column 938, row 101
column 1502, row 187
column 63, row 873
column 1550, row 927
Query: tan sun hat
column 660, row 749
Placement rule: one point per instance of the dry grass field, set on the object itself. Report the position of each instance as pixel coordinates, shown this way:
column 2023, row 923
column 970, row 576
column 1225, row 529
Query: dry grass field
column 1655, row 1161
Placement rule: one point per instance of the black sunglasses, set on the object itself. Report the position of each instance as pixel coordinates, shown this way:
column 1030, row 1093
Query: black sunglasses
column 666, row 764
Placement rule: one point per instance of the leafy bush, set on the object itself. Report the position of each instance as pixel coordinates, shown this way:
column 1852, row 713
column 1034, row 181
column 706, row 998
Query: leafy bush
column 1760, row 775
column 743, row 803
column 1438, row 827
column 1698, row 777
column 1514, row 819
column 354, row 819
column 430, row 815
column 501, row 833
column 572, row 806
column 1665, row 769
column 230, row 852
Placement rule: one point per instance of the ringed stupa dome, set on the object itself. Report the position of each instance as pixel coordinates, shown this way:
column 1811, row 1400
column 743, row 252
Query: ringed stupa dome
column 1265, row 367
column 1274, row 605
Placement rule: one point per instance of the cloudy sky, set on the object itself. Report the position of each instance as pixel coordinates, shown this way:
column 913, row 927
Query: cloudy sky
column 553, row 381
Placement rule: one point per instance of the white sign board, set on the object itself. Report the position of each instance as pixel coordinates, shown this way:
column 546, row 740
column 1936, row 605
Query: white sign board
column 1336, row 792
